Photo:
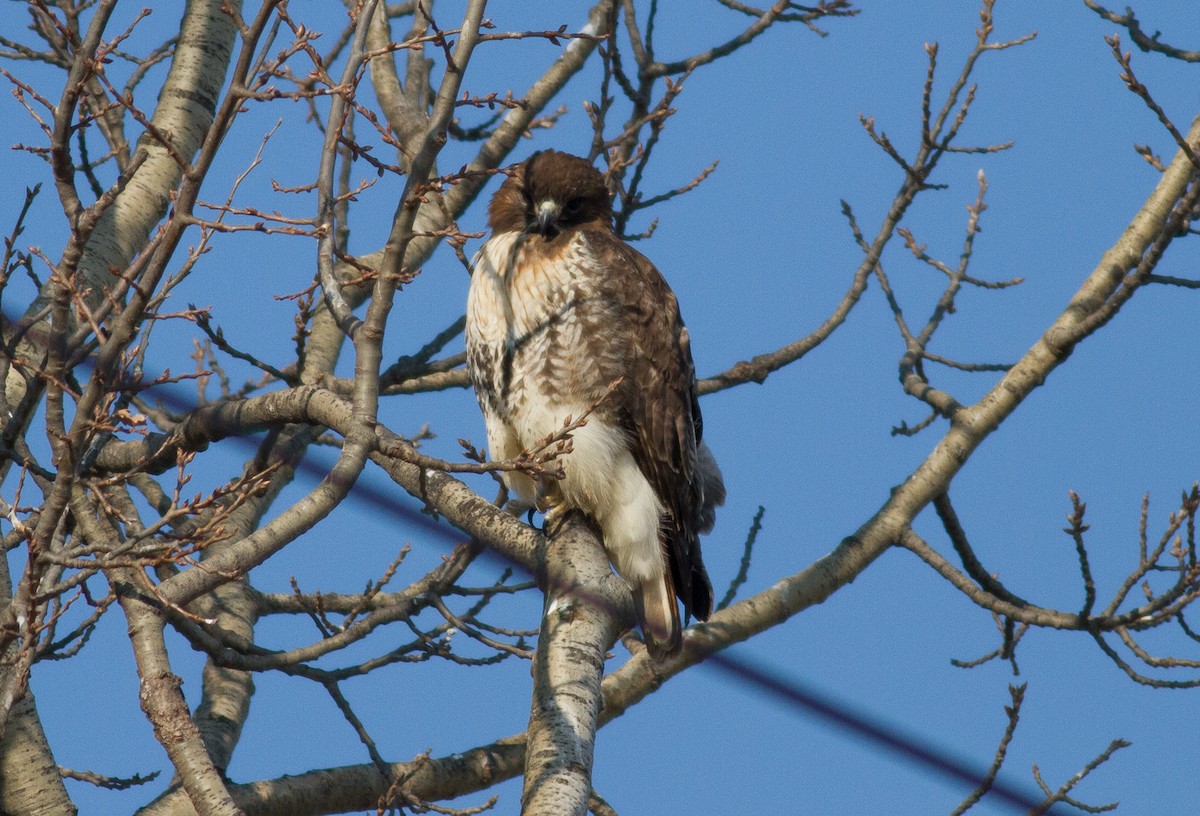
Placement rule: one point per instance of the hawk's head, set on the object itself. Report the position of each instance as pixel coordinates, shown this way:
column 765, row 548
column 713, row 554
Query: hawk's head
column 551, row 193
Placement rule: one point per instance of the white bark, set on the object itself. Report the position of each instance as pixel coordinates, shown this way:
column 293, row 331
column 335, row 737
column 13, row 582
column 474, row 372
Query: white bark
column 586, row 607
column 185, row 111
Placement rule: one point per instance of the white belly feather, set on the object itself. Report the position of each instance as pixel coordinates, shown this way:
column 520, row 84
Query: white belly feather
column 602, row 478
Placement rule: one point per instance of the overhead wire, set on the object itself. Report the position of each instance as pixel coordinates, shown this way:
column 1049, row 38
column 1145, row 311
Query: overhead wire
column 782, row 689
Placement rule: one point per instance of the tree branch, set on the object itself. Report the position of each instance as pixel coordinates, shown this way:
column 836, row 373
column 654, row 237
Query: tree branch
column 586, row 608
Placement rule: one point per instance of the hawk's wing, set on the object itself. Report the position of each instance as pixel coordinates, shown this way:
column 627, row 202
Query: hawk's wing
column 656, row 404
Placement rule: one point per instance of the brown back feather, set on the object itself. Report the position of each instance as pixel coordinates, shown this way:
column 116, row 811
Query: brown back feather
column 657, row 406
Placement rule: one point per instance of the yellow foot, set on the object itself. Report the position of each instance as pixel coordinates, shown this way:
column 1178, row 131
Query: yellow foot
column 556, row 513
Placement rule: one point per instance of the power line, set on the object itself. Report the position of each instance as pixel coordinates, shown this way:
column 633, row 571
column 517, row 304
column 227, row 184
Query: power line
column 873, row 730
column 786, row 691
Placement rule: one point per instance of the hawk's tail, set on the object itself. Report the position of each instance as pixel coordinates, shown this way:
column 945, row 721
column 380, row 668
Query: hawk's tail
column 659, row 615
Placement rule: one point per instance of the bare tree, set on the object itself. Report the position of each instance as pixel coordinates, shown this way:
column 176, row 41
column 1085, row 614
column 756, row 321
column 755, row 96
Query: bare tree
column 145, row 148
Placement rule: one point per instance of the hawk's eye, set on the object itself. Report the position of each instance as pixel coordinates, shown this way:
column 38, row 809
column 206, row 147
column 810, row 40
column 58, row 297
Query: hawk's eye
column 573, row 207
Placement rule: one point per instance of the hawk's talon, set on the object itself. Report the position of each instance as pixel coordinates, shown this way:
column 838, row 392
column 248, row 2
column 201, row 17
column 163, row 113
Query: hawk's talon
column 555, row 514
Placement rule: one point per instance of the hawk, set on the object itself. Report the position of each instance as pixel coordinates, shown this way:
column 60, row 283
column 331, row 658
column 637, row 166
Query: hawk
column 559, row 310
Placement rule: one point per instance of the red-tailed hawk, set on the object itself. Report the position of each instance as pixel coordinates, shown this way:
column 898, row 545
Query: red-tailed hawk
column 559, row 309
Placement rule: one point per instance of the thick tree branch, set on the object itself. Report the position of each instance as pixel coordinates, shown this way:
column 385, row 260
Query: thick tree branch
column 586, row 608
column 161, row 697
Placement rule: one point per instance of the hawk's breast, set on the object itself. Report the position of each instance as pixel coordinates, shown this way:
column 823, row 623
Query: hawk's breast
column 538, row 327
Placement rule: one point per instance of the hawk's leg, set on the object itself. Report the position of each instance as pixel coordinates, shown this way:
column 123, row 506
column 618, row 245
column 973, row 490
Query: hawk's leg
column 550, row 502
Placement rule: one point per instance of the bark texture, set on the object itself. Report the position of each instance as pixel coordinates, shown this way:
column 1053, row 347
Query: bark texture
column 586, row 608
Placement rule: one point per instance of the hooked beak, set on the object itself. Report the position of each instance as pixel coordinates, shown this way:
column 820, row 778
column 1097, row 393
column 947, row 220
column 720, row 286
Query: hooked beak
column 547, row 219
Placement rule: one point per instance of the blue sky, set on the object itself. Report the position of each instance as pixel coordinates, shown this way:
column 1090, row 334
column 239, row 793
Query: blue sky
column 759, row 255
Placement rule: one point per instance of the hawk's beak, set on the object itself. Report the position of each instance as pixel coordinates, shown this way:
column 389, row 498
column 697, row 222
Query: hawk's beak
column 547, row 219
